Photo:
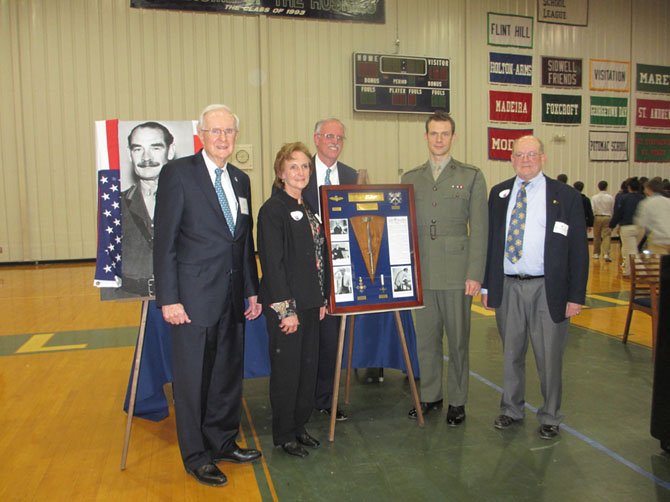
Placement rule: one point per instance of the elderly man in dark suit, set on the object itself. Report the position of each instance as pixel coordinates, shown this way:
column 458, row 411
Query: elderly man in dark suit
column 536, row 273
column 205, row 266
column 329, row 136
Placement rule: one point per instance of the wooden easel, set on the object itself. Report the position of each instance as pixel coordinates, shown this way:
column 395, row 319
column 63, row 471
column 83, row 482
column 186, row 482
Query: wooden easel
column 338, row 369
column 136, row 376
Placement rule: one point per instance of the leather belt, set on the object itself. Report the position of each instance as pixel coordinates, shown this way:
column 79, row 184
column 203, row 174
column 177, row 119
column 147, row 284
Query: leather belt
column 142, row 287
column 524, row 277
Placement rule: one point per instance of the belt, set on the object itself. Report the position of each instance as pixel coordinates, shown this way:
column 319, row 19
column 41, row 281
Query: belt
column 524, row 277
column 142, row 287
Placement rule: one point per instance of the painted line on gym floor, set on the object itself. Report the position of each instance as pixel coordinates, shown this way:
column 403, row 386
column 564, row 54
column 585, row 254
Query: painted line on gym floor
column 257, row 441
column 591, row 442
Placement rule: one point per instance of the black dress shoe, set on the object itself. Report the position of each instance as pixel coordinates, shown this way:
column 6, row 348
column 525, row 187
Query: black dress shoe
column 548, row 431
column 340, row 416
column 209, row 475
column 293, row 448
column 455, row 415
column 425, row 409
column 307, row 440
column 504, row 421
column 239, row 455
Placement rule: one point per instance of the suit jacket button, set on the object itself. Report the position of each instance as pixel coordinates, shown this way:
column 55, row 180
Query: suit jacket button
column 434, row 188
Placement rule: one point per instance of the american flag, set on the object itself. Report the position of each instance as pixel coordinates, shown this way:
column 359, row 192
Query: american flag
column 108, row 257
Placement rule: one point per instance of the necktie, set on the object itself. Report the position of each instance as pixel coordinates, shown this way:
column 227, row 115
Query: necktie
column 327, row 180
column 517, row 225
column 223, row 201
column 436, row 172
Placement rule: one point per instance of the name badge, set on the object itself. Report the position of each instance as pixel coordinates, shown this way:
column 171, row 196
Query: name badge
column 244, row 205
column 561, row 228
column 296, row 215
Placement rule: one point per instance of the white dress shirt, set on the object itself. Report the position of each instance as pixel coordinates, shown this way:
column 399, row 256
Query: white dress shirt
column 225, row 183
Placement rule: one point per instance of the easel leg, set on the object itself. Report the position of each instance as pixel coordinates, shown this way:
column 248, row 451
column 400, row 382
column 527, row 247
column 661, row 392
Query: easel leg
column 336, row 381
column 350, row 353
column 410, row 371
column 136, row 375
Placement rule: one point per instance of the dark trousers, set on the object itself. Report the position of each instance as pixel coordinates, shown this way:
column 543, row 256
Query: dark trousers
column 329, row 331
column 207, row 368
column 293, row 366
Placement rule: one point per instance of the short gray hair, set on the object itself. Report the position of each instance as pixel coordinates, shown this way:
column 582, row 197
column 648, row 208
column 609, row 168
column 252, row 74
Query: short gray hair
column 214, row 108
column 317, row 127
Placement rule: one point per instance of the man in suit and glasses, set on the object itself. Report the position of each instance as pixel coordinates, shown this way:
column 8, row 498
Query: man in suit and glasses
column 205, row 266
column 536, row 271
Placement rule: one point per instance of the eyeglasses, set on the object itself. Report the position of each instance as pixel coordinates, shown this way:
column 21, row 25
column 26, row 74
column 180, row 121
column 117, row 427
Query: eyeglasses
column 218, row 132
column 330, row 136
column 527, row 155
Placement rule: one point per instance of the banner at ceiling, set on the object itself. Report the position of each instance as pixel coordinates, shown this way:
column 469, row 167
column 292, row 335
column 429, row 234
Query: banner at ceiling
column 561, row 72
column 364, row 11
column 653, row 78
column 501, row 142
column 561, row 109
column 607, row 75
column 572, row 12
column 510, row 106
column 510, row 31
column 652, row 113
column 609, row 146
column 650, row 147
column 606, row 111
column 510, row 69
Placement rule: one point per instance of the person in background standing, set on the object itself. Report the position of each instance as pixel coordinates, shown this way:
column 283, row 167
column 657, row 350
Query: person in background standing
column 603, row 206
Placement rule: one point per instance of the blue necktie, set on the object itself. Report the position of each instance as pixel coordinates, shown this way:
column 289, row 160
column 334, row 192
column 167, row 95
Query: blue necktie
column 327, row 180
column 517, row 225
column 223, row 201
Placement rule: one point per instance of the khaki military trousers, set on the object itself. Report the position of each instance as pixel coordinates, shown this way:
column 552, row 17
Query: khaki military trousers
column 444, row 310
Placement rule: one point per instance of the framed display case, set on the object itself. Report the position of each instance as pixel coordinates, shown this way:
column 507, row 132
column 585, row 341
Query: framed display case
column 372, row 239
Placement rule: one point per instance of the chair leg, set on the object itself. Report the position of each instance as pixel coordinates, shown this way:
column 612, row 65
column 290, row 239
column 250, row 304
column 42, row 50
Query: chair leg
column 627, row 328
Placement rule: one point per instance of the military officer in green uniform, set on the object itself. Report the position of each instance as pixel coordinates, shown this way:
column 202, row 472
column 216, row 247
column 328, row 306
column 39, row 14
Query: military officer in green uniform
column 452, row 222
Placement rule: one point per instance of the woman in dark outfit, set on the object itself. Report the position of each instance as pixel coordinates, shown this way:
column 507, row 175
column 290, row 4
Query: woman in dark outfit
column 292, row 291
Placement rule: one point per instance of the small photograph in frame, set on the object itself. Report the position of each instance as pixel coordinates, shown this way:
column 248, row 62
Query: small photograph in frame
column 342, row 282
column 340, row 253
column 339, row 229
column 402, row 281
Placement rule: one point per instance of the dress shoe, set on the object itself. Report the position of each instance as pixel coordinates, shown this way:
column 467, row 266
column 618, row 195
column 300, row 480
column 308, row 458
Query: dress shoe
column 293, row 448
column 425, row 409
column 504, row 421
column 307, row 440
column 548, row 431
column 209, row 475
column 340, row 416
column 455, row 415
column 608, row 259
column 238, row 455
column 596, row 256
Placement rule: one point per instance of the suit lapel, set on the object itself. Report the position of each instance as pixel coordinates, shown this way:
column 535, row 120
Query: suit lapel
column 553, row 204
column 237, row 188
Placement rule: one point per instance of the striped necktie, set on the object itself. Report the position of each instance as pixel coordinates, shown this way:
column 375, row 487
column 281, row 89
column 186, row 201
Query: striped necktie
column 223, row 201
column 327, row 180
column 517, row 226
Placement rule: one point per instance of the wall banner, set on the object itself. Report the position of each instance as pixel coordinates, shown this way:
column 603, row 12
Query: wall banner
column 652, row 147
column 561, row 109
column 510, row 31
column 608, row 146
column 501, row 142
column 607, row 75
column 561, row 72
column 652, row 113
column 514, row 69
column 653, row 78
column 364, row 11
column 606, row 111
column 510, row 106
column 573, row 12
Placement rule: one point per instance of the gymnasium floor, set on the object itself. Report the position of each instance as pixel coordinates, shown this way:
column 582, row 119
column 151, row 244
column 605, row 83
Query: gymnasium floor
column 64, row 364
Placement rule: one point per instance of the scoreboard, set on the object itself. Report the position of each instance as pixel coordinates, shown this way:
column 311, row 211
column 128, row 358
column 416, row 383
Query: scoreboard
column 400, row 84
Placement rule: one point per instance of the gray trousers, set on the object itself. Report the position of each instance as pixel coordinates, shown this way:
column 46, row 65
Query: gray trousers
column 524, row 314
column 450, row 310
